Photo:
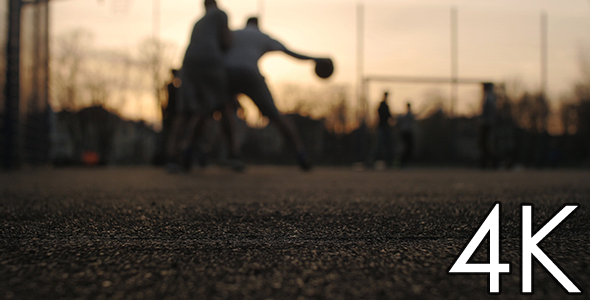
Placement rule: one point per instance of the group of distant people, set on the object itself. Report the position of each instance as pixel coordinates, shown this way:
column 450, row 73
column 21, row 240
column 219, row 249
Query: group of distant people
column 384, row 147
column 406, row 124
column 218, row 65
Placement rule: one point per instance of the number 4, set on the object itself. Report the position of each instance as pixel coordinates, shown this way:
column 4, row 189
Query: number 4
column 494, row 268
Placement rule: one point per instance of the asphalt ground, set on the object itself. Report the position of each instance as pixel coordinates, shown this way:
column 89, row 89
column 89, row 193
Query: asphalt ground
column 278, row 233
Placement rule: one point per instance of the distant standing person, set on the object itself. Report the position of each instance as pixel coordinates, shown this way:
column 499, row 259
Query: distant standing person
column 486, row 126
column 204, row 86
column 168, row 113
column 250, row 44
column 406, row 124
column 384, row 144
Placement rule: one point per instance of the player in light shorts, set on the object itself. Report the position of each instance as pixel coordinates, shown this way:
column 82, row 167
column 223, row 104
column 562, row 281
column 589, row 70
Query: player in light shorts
column 249, row 45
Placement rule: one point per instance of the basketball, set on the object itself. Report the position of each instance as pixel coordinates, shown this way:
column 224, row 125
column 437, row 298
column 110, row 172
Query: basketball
column 324, row 68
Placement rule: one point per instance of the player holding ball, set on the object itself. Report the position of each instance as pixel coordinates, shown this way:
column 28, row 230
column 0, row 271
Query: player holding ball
column 249, row 45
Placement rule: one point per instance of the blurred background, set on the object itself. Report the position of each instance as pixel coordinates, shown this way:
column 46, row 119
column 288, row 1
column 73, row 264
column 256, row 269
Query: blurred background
column 85, row 81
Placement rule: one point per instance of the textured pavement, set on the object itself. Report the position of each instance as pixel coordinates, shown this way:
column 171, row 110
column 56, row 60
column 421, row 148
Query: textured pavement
column 277, row 233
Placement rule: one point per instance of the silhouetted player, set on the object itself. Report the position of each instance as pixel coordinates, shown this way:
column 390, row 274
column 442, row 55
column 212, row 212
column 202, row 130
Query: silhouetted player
column 384, row 144
column 486, row 126
column 406, row 126
column 204, row 86
column 250, row 44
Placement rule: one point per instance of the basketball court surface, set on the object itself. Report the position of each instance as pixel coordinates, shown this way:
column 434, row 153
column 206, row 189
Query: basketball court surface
column 277, row 233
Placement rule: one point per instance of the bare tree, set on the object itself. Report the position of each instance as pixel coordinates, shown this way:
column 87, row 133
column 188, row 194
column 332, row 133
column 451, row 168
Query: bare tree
column 569, row 117
column 575, row 107
column 316, row 102
column 97, row 86
column 531, row 112
column 338, row 118
column 435, row 101
column 156, row 56
column 514, row 88
column 70, row 50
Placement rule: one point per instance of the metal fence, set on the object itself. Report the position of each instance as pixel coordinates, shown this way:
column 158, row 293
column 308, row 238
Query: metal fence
column 24, row 81
column 3, row 44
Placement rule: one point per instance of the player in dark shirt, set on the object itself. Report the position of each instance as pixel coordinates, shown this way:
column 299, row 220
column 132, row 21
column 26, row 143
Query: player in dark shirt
column 204, row 87
column 384, row 147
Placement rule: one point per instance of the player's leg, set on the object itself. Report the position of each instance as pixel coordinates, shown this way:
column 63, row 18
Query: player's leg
column 184, row 109
column 260, row 94
column 198, row 99
column 291, row 133
column 195, row 146
column 228, row 124
column 288, row 130
column 190, row 104
column 378, row 147
column 228, row 107
column 175, row 132
column 213, row 95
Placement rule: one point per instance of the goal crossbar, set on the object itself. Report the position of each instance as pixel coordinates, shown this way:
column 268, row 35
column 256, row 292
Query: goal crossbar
column 410, row 79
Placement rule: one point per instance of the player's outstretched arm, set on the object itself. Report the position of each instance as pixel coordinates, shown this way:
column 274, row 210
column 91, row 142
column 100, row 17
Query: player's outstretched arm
column 300, row 56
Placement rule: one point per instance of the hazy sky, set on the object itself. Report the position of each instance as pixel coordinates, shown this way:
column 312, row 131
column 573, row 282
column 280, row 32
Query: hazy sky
column 498, row 40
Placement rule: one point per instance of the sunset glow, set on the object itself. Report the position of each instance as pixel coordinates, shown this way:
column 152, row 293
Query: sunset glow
column 498, row 41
